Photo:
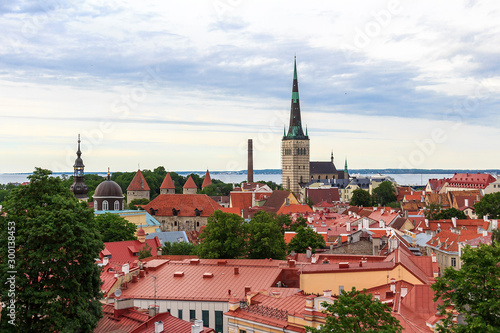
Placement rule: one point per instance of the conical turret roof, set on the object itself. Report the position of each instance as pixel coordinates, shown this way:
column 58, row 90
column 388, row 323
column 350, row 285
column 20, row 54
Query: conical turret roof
column 190, row 183
column 207, row 181
column 138, row 183
column 168, row 183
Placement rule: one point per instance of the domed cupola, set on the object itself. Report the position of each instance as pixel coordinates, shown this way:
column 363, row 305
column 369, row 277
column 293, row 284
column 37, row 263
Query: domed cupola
column 79, row 188
column 108, row 195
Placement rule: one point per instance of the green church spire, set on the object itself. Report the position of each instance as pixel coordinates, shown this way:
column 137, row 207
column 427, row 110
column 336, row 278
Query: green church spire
column 295, row 130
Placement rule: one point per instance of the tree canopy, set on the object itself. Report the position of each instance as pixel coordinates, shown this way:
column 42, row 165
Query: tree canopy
column 450, row 213
column 356, row 311
column 488, row 205
column 179, row 248
column 384, row 193
column 115, row 228
column 265, row 237
column 223, row 237
column 55, row 241
column 136, row 202
column 306, row 237
column 361, row 197
column 474, row 290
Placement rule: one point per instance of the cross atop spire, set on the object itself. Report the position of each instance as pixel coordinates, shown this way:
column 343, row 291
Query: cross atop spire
column 295, row 130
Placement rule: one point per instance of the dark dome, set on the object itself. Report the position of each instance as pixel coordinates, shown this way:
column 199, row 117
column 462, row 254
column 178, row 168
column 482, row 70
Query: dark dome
column 108, row 188
column 78, row 162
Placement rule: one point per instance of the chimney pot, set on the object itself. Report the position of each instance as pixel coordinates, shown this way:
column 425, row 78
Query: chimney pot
column 236, row 270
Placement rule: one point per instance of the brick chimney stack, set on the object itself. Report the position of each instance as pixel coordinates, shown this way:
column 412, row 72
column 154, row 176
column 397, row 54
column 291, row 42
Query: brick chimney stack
column 250, row 161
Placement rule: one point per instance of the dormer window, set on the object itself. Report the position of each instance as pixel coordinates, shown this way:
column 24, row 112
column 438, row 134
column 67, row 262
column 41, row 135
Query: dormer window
column 197, row 212
column 175, row 212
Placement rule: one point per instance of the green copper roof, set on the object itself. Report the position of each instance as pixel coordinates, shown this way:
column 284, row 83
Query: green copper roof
column 295, row 130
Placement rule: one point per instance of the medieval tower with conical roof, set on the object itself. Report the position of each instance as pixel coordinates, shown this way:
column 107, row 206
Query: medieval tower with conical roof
column 79, row 188
column 295, row 145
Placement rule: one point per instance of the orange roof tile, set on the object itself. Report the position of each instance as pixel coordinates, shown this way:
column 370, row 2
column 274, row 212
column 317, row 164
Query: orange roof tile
column 241, row 200
column 207, row 180
column 190, row 183
column 184, row 204
column 138, row 183
column 167, row 183
column 287, row 210
column 471, row 180
column 223, row 285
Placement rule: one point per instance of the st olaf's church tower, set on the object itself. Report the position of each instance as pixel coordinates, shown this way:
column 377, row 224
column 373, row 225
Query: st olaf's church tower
column 295, row 145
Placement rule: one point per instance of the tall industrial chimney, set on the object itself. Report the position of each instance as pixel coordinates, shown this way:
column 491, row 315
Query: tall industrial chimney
column 250, row 161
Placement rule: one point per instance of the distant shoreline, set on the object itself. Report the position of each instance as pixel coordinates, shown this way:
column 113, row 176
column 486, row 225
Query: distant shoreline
column 278, row 171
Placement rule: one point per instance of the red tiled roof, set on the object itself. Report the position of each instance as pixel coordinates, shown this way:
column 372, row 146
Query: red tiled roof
column 231, row 210
column 138, row 183
column 318, row 195
column 222, row 286
column 289, row 236
column 134, row 321
column 277, row 199
column 437, row 184
column 447, row 240
column 185, row 205
column 171, row 324
column 207, row 180
column 479, row 240
column 471, row 180
column 167, row 183
column 241, row 200
column 190, row 183
column 129, row 320
column 324, row 204
column 288, row 210
column 123, row 252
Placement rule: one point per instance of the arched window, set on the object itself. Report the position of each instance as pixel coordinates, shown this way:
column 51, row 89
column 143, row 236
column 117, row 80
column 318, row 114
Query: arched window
column 95, row 204
column 105, row 205
column 117, row 205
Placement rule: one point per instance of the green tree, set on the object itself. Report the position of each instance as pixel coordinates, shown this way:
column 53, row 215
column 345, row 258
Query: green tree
column 384, row 193
column 306, row 237
column 265, row 237
column 432, row 211
column 134, row 203
column 356, row 311
column 145, row 252
column 488, row 205
column 474, row 291
column 56, row 241
column 449, row 213
column 217, row 188
column 299, row 222
column 223, row 237
column 309, row 202
column 179, row 248
column 115, row 228
column 361, row 197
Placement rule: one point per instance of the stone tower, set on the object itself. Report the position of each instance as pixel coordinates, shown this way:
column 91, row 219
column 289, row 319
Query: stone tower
column 79, row 188
column 295, row 145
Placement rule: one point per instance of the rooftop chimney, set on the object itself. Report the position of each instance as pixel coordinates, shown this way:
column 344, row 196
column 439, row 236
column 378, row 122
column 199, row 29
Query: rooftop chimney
column 327, row 293
column 466, row 202
column 250, row 161
column 393, row 285
column 122, row 306
column 159, row 327
column 454, row 221
column 308, row 252
column 197, row 327
column 105, row 261
column 236, row 270
column 153, row 310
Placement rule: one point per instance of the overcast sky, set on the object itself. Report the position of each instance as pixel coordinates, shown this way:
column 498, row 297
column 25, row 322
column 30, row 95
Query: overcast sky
column 185, row 84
